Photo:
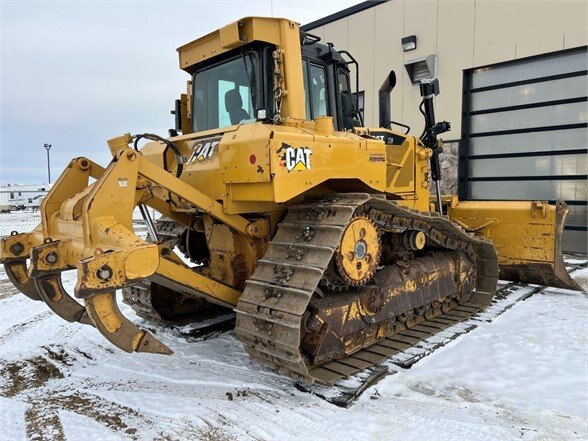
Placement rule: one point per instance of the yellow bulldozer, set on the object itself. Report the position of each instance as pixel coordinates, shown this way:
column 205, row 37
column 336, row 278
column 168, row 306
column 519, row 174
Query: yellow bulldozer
column 329, row 239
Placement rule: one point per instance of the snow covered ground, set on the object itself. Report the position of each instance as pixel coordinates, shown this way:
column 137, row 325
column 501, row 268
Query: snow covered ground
column 522, row 376
column 21, row 221
column 26, row 220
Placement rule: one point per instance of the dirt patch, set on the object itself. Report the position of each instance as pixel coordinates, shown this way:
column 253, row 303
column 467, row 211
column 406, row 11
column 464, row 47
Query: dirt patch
column 211, row 433
column 27, row 379
column 58, row 354
column 40, row 425
column 105, row 412
column 28, row 374
column 468, row 395
column 449, row 393
column 42, row 418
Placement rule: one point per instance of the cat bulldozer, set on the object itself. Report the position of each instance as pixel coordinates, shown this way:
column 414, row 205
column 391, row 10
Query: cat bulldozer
column 330, row 240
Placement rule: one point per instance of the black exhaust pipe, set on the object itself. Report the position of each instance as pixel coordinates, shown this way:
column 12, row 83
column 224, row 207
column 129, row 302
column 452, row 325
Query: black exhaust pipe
column 384, row 99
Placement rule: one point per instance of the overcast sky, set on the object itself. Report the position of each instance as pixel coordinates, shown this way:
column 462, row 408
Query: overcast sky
column 75, row 74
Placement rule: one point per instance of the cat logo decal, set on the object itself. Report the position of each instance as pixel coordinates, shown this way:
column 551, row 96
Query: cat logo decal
column 295, row 158
column 204, row 149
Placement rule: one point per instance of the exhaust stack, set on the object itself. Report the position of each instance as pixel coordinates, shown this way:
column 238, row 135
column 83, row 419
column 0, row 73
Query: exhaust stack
column 384, row 99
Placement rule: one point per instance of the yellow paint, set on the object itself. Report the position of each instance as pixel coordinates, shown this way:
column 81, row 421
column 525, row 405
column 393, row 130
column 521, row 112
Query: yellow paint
column 198, row 283
column 284, row 34
column 410, row 286
column 354, row 312
column 359, row 232
column 420, row 240
column 107, row 314
column 522, row 232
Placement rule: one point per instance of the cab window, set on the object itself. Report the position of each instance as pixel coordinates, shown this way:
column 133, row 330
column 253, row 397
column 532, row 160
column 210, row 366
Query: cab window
column 226, row 94
column 315, row 90
column 346, row 100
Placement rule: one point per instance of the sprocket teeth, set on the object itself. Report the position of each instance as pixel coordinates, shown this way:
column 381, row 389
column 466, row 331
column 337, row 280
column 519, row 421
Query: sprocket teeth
column 367, row 219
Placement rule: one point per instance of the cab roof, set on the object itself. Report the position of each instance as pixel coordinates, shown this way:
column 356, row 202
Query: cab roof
column 231, row 36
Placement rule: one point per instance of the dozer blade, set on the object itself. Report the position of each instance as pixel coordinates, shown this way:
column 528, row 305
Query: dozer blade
column 117, row 329
column 61, row 303
column 527, row 237
column 16, row 271
column 549, row 273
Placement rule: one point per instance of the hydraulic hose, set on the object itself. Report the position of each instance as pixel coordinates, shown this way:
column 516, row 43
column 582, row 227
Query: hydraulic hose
column 167, row 142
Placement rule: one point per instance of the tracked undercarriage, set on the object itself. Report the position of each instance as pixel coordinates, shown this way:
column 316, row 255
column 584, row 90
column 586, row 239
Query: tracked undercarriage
column 294, row 318
column 347, row 280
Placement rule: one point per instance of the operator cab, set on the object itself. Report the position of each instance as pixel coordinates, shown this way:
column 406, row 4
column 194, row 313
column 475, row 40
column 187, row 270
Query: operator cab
column 326, row 83
column 238, row 89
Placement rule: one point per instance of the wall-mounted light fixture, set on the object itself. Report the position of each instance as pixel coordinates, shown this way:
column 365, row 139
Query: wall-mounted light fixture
column 409, row 43
column 423, row 68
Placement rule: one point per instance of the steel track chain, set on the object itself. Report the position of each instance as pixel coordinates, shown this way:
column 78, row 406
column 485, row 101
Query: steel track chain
column 270, row 312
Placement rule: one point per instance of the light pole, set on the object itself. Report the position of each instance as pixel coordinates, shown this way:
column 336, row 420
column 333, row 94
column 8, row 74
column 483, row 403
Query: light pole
column 48, row 147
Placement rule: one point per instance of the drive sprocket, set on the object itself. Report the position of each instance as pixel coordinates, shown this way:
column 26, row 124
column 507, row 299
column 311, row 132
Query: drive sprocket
column 357, row 256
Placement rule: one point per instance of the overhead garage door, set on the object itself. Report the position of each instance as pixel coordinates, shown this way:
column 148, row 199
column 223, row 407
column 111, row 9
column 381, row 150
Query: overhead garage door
column 525, row 135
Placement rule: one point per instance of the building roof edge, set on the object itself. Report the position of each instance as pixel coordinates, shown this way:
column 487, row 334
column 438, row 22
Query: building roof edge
column 342, row 14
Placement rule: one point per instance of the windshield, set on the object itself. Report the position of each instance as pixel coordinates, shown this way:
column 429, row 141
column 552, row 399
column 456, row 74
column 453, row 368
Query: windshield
column 225, row 94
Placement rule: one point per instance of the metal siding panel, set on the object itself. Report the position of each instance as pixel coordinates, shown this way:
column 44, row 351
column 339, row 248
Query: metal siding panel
column 337, row 34
column 560, row 114
column 550, row 40
column 575, row 241
column 362, row 49
column 578, row 216
column 573, row 190
column 389, row 55
column 559, row 165
column 528, row 69
column 455, row 50
column 564, row 88
column 420, row 19
column 555, row 140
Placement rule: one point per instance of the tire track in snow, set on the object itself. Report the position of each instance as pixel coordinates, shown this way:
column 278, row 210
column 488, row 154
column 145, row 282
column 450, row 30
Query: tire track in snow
column 19, row 328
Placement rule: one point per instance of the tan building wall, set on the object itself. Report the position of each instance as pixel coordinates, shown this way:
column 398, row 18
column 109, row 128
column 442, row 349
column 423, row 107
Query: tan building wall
column 462, row 33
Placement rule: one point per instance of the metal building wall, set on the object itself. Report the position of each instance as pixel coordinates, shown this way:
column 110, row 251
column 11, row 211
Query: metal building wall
column 525, row 135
